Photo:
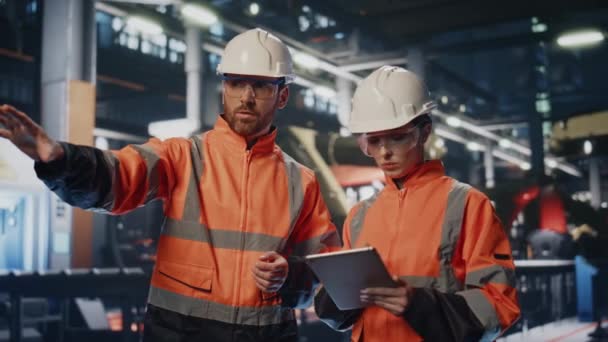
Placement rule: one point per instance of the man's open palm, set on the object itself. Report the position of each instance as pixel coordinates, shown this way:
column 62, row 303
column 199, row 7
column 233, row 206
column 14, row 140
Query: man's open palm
column 27, row 136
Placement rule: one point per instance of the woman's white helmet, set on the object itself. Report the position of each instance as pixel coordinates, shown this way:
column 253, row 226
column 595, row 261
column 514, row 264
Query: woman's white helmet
column 388, row 98
column 257, row 53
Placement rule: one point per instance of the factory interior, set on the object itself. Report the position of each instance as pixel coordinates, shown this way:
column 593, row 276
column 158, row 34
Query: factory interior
column 520, row 115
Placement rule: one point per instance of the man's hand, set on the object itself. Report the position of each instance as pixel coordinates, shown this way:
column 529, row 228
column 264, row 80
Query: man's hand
column 270, row 272
column 395, row 300
column 27, row 136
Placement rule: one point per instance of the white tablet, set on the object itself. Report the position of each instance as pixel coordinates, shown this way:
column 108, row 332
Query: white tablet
column 345, row 273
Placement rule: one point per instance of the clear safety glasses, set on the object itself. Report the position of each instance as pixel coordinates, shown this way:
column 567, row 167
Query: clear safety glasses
column 262, row 89
column 401, row 140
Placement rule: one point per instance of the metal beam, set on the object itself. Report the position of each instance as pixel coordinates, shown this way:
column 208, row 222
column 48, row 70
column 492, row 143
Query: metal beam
column 116, row 135
column 458, row 15
column 218, row 49
column 523, row 149
column 464, row 83
column 341, row 72
column 147, row 2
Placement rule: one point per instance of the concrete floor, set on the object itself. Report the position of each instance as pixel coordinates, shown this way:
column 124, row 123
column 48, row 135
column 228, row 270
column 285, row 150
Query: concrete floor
column 567, row 330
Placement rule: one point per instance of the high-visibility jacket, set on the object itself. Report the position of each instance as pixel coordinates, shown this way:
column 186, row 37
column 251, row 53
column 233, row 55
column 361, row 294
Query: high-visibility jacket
column 226, row 203
column 443, row 238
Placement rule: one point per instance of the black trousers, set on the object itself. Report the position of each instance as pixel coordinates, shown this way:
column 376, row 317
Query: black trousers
column 161, row 325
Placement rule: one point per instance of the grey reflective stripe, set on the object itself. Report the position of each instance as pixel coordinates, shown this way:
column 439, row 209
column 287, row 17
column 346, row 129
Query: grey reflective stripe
column 196, row 150
column 152, row 159
column 450, row 233
column 317, row 244
column 420, row 281
column 294, row 188
column 484, row 311
column 356, row 224
column 192, row 202
column 190, row 306
column 496, row 274
column 113, row 164
column 221, row 238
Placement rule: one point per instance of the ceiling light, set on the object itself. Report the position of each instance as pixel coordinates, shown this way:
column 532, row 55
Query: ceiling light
column 199, row 14
column 604, row 205
column 539, row 28
column 254, row 8
column 462, row 108
column 525, row 166
column 587, row 147
column 580, row 38
column 306, row 60
column 474, row 146
column 144, row 26
column 444, row 100
column 453, row 121
column 551, row 163
column 504, row 143
column 439, row 143
column 325, row 92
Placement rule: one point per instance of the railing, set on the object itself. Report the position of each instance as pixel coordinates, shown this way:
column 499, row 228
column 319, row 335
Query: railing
column 547, row 292
column 546, row 288
column 126, row 285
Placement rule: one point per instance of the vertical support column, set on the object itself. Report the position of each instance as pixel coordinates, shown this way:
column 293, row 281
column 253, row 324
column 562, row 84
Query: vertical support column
column 537, row 158
column 488, row 162
column 595, row 183
column 68, row 113
column 345, row 94
column 540, row 120
column 193, row 68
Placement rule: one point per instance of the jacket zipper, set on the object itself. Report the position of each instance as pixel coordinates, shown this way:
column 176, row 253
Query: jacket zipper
column 397, row 230
column 402, row 193
column 242, row 225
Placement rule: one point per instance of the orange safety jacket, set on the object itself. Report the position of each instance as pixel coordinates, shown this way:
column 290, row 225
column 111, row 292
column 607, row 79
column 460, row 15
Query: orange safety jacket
column 225, row 203
column 444, row 239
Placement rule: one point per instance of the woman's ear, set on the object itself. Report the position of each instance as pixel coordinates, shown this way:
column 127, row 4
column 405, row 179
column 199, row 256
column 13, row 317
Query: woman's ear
column 426, row 132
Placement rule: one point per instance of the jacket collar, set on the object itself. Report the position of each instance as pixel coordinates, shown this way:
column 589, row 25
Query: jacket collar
column 423, row 173
column 231, row 139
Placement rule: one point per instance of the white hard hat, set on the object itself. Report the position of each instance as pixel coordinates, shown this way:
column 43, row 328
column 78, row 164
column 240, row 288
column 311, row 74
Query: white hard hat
column 258, row 53
column 388, row 98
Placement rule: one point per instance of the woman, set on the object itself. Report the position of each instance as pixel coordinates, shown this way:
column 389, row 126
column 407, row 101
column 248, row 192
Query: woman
column 440, row 238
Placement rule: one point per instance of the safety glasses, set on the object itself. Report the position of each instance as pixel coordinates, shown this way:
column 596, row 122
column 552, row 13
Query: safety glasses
column 262, row 89
column 401, row 140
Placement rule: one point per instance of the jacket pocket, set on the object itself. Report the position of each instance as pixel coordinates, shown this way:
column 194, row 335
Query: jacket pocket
column 198, row 277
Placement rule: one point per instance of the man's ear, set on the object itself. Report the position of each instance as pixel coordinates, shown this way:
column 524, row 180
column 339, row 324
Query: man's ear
column 283, row 97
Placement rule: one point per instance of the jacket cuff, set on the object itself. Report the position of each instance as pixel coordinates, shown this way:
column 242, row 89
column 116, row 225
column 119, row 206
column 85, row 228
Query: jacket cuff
column 57, row 168
column 437, row 316
column 298, row 289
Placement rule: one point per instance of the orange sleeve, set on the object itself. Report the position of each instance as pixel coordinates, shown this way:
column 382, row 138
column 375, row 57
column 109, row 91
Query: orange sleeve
column 489, row 269
column 314, row 231
column 142, row 173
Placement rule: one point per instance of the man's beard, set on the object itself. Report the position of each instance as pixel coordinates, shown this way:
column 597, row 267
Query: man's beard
column 251, row 125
